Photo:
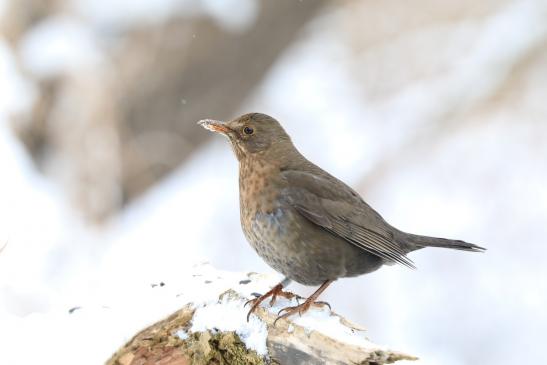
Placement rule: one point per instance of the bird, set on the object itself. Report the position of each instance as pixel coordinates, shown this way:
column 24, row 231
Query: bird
column 305, row 223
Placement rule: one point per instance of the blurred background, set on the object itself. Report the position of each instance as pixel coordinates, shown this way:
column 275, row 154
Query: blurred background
column 434, row 111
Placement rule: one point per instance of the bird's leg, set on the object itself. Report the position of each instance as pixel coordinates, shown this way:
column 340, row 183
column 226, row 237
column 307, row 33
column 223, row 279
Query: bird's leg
column 304, row 307
column 275, row 292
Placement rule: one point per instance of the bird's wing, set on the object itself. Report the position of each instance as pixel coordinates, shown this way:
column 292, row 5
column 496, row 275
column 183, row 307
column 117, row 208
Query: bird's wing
column 332, row 205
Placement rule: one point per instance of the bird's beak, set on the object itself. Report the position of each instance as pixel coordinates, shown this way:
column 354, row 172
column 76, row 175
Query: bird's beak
column 215, row 126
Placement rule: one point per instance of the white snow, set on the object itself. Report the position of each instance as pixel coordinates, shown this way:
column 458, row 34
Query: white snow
column 59, row 45
column 232, row 15
column 235, row 15
column 322, row 320
column 330, row 325
column 182, row 334
column 123, row 13
column 229, row 315
column 16, row 93
column 120, row 315
column 31, row 213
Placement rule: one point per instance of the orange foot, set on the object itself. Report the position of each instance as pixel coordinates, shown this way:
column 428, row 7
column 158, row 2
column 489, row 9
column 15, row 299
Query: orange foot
column 304, row 307
column 300, row 309
column 277, row 291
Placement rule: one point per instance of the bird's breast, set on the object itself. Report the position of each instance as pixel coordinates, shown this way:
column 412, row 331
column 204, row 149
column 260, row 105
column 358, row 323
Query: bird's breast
column 274, row 235
column 258, row 190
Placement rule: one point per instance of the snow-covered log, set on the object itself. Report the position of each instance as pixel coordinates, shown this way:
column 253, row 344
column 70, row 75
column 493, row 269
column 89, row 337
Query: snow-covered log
column 217, row 332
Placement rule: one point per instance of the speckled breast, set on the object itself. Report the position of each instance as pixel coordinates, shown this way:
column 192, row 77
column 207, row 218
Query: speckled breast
column 268, row 226
column 278, row 238
column 286, row 240
column 259, row 203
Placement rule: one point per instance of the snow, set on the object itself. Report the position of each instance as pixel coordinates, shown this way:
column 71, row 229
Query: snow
column 223, row 12
column 156, row 229
column 16, row 93
column 182, row 334
column 229, row 315
column 124, row 13
column 25, row 196
column 113, row 15
column 104, row 327
column 58, row 45
column 324, row 322
column 118, row 316
column 105, row 322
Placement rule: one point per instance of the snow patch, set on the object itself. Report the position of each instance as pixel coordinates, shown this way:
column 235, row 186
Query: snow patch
column 124, row 13
column 322, row 320
column 183, row 335
column 57, row 45
column 229, row 315
column 325, row 322
column 223, row 12
column 16, row 93
column 232, row 15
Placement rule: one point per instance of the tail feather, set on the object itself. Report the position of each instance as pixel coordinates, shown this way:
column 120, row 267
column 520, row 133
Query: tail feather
column 424, row 241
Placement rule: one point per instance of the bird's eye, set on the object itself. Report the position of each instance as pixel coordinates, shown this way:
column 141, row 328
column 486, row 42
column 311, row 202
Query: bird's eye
column 248, row 130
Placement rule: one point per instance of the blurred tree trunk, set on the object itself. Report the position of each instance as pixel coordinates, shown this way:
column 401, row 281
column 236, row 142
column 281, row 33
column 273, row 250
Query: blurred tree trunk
column 183, row 72
column 111, row 131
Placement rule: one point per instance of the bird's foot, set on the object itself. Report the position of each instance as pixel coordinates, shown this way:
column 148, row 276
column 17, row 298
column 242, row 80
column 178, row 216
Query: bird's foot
column 276, row 292
column 300, row 309
column 304, row 307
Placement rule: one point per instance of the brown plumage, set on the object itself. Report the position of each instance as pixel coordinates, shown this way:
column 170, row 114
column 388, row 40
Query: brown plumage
column 304, row 222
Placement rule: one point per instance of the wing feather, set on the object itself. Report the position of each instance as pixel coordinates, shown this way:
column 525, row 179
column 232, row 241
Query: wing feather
column 336, row 208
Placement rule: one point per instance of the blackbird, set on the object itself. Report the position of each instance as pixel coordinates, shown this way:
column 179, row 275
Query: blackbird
column 304, row 222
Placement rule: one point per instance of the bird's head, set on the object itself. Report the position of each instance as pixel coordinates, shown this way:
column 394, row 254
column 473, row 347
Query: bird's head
column 251, row 134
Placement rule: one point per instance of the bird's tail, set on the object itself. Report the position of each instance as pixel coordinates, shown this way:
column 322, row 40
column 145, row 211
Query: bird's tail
column 424, row 241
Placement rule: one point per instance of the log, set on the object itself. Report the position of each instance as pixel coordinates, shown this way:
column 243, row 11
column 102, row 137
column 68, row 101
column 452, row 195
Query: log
column 217, row 332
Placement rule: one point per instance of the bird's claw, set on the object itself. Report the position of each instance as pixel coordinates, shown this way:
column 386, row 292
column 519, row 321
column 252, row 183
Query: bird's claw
column 248, row 303
column 322, row 304
column 300, row 309
column 274, row 293
column 256, row 297
column 283, row 294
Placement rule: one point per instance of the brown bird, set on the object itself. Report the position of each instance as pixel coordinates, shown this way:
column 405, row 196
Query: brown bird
column 304, row 222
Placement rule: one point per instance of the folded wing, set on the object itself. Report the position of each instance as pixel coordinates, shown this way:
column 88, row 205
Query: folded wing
column 335, row 207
